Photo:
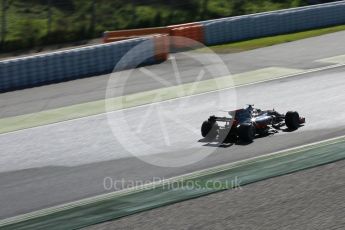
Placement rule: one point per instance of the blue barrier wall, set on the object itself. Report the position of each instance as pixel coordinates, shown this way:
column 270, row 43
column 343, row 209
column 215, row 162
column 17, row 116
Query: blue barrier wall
column 273, row 23
column 88, row 61
column 72, row 64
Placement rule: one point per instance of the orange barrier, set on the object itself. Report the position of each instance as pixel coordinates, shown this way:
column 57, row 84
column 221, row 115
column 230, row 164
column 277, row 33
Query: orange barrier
column 162, row 41
column 194, row 32
column 112, row 36
column 115, row 39
column 109, row 36
column 182, row 25
column 162, row 47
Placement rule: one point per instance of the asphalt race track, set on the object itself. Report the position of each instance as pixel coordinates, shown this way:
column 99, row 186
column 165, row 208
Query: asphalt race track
column 67, row 161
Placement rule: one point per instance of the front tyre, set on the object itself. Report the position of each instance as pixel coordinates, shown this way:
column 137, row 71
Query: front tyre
column 292, row 120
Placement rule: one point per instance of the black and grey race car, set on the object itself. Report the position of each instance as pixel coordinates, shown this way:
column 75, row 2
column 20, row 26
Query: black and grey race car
column 245, row 124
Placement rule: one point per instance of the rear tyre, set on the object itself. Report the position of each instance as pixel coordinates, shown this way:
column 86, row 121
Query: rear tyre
column 292, row 120
column 246, row 132
column 209, row 129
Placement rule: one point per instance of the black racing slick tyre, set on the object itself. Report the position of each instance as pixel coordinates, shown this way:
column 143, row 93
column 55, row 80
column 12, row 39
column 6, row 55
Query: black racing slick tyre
column 292, row 120
column 209, row 129
column 246, row 132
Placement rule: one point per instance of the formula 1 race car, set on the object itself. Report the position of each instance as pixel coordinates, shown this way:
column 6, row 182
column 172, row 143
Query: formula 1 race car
column 245, row 124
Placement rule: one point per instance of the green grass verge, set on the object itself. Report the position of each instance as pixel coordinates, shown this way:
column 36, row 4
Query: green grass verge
column 235, row 47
